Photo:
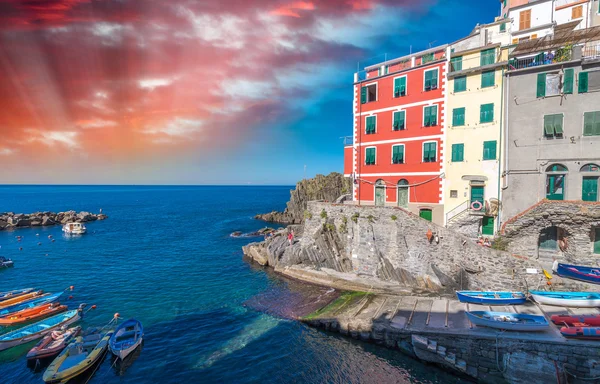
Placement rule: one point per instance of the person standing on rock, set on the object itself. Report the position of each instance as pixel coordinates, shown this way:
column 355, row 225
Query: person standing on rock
column 291, row 237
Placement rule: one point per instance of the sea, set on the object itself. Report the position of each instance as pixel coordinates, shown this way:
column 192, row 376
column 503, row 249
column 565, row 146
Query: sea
column 165, row 257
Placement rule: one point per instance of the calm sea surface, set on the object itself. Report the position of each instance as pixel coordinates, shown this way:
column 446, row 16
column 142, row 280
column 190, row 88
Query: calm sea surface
column 165, row 257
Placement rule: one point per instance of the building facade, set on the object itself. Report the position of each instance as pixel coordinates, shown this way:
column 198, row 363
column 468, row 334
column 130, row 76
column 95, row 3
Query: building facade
column 396, row 156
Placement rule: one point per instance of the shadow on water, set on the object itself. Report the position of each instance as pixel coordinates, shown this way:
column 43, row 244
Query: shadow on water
column 121, row 366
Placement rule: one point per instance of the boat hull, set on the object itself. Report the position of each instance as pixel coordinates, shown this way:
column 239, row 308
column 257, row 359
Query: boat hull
column 126, row 338
column 35, row 313
column 566, row 299
column 491, row 298
column 530, row 322
column 44, row 350
column 589, row 320
column 31, row 303
column 19, row 299
column 10, row 294
column 123, row 353
column 589, row 333
column 579, row 272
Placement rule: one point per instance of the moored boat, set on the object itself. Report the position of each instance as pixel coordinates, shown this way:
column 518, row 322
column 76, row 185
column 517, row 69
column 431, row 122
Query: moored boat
column 14, row 293
column 40, row 329
column 576, row 320
column 31, row 303
column 77, row 357
column 19, row 299
column 567, row 299
column 508, row 321
column 53, row 343
column 127, row 337
column 578, row 272
column 74, row 229
column 31, row 314
column 591, row 333
column 6, row 262
column 491, row 298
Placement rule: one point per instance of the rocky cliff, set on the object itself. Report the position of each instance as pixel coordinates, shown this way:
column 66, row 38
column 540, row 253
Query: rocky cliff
column 10, row 220
column 328, row 188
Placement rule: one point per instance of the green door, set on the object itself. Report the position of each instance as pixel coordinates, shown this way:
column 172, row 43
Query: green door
column 477, row 194
column 597, row 241
column 589, row 189
column 379, row 196
column 403, row 197
column 425, row 214
column 555, row 187
column 487, row 226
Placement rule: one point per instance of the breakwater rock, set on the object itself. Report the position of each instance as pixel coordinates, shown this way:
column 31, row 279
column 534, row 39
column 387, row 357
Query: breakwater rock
column 328, row 188
column 10, row 220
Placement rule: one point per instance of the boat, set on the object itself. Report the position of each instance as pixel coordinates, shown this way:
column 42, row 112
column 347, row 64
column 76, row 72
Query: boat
column 31, row 303
column 578, row 272
column 567, row 299
column 592, row 333
column 491, row 298
column 6, row 262
column 77, row 357
column 576, row 320
column 508, row 321
column 10, row 294
column 30, row 314
column 19, row 299
column 53, row 343
column 40, row 329
column 74, row 229
column 127, row 337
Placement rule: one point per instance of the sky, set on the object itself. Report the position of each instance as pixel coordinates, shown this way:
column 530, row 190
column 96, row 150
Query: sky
column 196, row 92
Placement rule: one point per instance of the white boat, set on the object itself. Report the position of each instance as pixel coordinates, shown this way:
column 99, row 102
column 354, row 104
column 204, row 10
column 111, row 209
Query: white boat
column 567, row 299
column 74, row 229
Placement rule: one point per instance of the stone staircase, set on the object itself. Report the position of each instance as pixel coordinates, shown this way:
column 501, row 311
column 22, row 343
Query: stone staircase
column 465, row 223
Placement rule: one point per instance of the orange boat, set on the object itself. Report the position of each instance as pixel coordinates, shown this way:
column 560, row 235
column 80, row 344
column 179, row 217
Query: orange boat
column 19, row 299
column 30, row 314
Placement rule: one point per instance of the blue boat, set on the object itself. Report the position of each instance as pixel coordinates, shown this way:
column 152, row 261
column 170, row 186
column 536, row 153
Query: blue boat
column 491, row 298
column 30, row 303
column 578, row 272
column 508, row 321
column 17, row 292
column 127, row 337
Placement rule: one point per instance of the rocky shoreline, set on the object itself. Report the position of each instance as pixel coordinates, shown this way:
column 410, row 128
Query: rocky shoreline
column 10, row 220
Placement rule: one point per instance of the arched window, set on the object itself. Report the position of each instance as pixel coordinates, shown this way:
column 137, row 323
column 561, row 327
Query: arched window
column 555, row 182
column 380, row 193
column 403, row 193
column 589, row 183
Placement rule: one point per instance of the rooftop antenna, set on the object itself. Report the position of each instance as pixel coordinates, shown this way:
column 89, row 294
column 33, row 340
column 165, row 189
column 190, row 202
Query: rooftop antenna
column 410, row 53
column 432, row 43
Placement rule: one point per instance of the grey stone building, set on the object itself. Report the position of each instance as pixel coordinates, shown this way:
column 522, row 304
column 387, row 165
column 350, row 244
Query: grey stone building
column 552, row 132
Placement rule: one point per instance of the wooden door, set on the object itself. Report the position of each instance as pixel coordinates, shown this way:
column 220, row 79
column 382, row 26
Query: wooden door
column 379, row 196
column 589, row 189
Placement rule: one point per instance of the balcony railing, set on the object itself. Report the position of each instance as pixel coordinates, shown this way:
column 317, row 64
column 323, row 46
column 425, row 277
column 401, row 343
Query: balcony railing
column 540, row 59
column 462, row 63
column 592, row 50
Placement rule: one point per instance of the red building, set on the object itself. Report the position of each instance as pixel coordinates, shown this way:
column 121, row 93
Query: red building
column 397, row 154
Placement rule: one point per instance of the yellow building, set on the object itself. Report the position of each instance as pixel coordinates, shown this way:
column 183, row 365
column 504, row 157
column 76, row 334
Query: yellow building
column 473, row 132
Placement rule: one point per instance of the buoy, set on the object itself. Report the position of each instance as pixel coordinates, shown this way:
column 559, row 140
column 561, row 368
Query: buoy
column 70, row 297
column 548, row 283
column 94, row 306
column 117, row 315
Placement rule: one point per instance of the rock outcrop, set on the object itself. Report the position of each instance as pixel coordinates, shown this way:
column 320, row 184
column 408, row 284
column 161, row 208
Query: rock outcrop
column 9, row 220
column 327, row 188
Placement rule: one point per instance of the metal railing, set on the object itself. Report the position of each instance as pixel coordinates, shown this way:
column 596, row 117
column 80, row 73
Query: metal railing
column 591, row 50
column 473, row 62
column 539, row 59
column 457, row 211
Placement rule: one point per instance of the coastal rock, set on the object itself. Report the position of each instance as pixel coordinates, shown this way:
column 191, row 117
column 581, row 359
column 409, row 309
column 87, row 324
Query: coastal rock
column 20, row 220
column 3, row 224
column 23, row 223
column 327, row 188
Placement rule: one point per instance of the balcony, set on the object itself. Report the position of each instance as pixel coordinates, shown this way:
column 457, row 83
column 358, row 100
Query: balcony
column 591, row 51
column 473, row 61
column 543, row 58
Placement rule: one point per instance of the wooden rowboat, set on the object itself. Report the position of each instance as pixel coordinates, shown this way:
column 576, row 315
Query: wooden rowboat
column 127, row 337
column 508, row 321
column 567, row 299
column 53, row 343
column 39, row 300
column 491, row 298
column 15, row 293
column 578, row 272
column 31, row 314
column 578, row 321
column 19, row 299
column 591, row 333
column 38, row 330
column 77, row 357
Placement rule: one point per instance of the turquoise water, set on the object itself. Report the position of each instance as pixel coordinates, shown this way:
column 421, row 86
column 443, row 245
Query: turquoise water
column 165, row 257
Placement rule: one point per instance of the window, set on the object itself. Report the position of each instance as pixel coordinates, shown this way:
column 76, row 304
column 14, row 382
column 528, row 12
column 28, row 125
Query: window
column 371, row 125
column 515, row 41
column 400, row 86
column 489, row 150
column 525, row 19
column 403, row 193
column 568, row 81
column 429, row 152
column 548, row 84
column 430, row 116
column 553, row 126
column 488, row 79
column 534, row 36
column 583, row 82
column 488, row 57
column 548, row 238
column 453, row 194
column 486, row 113
column 398, row 154
column 460, row 84
column 590, row 168
column 487, row 226
column 555, row 182
column 589, row 81
column 456, row 64
column 577, row 12
column 431, row 79
column 368, row 93
column 458, row 117
column 370, row 154
column 503, row 27
column 589, row 186
column 427, row 58
column 399, row 120
column 458, row 152
column 591, row 123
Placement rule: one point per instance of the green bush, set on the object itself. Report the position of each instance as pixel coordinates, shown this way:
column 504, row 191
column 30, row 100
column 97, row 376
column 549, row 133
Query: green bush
column 355, row 217
column 394, row 217
column 500, row 244
column 323, row 214
column 371, row 219
column 307, row 215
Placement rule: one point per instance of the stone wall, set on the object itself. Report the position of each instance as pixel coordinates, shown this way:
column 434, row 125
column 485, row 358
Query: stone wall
column 10, row 220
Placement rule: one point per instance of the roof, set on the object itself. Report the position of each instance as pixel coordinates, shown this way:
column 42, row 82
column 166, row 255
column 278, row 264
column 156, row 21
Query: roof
column 563, row 35
column 400, row 59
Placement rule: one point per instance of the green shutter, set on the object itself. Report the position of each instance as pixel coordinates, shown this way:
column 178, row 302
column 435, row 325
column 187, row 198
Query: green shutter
column 489, row 150
column 399, row 118
column 488, row 79
column 460, row 84
column 568, row 82
column 477, row 194
column 558, row 124
column 434, row 79
column 429, row 152
column 591, row 123
column 400, row 87
column 458, row 117
column 370, row 156
column 589, row 188
column 583, row 82
column 548, row 125
column 430, row 116
column 541, row 85
column 503, row 27
column 428, row 75
column 458, row 152
column 486, row 113
column 487, row 57
column 370, row 125
column 398, row 154
column 456, row 64
column 363, row 95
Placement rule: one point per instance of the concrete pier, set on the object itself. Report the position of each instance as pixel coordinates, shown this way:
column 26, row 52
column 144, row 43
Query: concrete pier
column 436, row 330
